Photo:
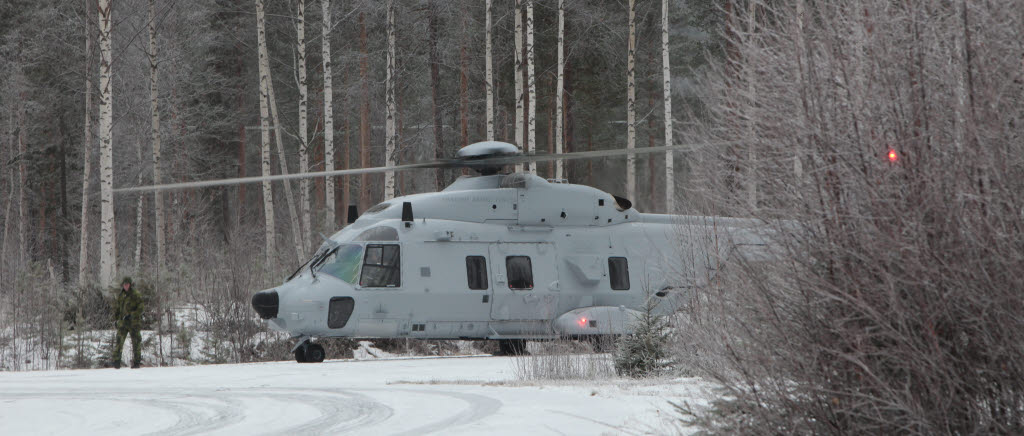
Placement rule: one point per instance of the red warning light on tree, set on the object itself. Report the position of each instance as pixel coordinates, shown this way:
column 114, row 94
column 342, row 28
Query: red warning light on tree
column 893, row 156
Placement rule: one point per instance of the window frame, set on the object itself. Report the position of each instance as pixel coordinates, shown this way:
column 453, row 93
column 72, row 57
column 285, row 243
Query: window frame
column 365, row 263
column 483, row 265
column 612, row 269
column 508, row 272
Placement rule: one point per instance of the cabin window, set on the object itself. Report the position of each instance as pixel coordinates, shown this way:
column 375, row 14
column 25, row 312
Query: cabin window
column 520, row 272
column 476, row 272
column 381, row 266
column 618, row 273
column 342, row 262
column 339, row 311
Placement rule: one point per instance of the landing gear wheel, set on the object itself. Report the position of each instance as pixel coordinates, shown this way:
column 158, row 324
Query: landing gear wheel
column 300, row 354
column 512, row 347
column 315, row 353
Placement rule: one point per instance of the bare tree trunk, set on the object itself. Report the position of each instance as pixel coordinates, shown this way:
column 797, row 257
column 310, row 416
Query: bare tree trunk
column 435, row 84
column 531, row 111
column 108, row 238
column 364, row 116
column 519, row 78
column 83, row 249
column 463, row 92
column 138, row 216
column 23, row 217
column 300, row 31
column 330, row 220
column 392, row 110
column 752, row 93
column 282, row 160
column 560, row 88
column 490, row 76
column 666, row 76
column 631, row 104
column 346, row 156
column 268, row 193
column 158, row 204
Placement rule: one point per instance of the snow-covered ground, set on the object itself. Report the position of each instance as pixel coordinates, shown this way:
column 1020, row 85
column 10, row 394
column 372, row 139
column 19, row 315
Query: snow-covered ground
column 456, row 395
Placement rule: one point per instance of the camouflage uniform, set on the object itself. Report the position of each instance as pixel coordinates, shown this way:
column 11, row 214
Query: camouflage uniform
column 128, row 320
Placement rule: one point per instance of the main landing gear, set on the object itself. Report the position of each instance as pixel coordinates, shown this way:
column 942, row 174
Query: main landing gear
column 308, row 352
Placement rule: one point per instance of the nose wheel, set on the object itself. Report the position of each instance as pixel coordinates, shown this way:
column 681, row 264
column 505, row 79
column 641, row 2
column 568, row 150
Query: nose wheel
column 308, row 352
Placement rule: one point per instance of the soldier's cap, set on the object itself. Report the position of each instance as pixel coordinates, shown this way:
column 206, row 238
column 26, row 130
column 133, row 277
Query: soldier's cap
column 127, row 280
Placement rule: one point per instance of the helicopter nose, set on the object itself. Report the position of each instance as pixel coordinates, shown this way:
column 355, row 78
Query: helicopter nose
column 265, row 303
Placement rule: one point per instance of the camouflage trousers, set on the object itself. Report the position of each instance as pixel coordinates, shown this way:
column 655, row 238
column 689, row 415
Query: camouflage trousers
column 136, row 344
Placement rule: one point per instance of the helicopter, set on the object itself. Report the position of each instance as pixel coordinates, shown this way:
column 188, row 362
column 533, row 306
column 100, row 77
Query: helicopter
column 506, row 256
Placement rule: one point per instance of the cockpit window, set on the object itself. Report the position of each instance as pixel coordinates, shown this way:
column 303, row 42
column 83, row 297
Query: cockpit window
column 343, row 262
column 378, row 208
column 381, row 266
column 381, row 233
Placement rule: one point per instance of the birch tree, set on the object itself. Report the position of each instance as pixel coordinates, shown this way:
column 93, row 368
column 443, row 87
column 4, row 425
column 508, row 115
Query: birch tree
column 489, row 85
column 108, row 239
column 519, row 77
column 83, row 249
column 666, row 76
column 138, row 215
column 300, row 31
column 752, row 95
column 283, row 161
column 560, row 87
column 631, row 104
column 268, row 193
column 389, row 122
column 531, row 112
column 158, row 205
column 329, row 221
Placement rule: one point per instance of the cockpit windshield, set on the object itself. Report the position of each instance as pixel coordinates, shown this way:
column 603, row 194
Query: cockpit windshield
column 342, row 262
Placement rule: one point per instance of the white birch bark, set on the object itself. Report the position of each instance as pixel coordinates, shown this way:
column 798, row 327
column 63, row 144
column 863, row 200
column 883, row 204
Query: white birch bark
column 268, row 193
column 490, row 75
column 531, row 111
column 300, row 30
column 138, row 216
column 666, row 75
column 283, row 161
column 631, row 104
column 83, row 249
column 158, row 202
column 389, row 121
column 519, row 77
column 108, row 238
column 752, row 95
column 22, row 181
column 798, row 167
column 328, row 117
column 560, row 87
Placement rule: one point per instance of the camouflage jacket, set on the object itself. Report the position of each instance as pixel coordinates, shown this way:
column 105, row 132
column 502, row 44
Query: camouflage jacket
column 128, row 309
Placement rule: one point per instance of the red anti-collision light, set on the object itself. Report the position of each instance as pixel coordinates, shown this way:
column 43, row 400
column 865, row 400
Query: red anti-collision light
column 893, row 157
column 582, row 322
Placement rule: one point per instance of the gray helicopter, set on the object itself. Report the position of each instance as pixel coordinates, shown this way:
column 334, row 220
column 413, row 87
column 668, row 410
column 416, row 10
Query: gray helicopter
column 501, row 256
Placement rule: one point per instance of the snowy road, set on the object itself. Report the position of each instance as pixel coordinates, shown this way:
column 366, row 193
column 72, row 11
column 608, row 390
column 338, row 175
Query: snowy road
column 404, row 396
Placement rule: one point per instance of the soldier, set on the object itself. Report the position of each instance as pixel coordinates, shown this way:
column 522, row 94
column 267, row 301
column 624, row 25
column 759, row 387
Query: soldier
column 128, row 319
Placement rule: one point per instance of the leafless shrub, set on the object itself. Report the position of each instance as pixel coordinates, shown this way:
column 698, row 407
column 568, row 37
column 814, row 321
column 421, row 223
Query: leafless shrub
column 895, row 302
column 562, row 360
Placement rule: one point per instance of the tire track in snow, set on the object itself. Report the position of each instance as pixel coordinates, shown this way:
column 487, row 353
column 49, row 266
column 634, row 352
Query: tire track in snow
column 480, row 406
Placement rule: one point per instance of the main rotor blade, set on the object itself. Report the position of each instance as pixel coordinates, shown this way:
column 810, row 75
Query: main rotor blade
column 309, row 175
column 446, row 163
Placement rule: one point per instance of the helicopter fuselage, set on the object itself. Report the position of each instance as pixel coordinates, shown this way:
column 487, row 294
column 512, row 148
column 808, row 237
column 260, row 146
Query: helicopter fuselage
column 500, row 257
